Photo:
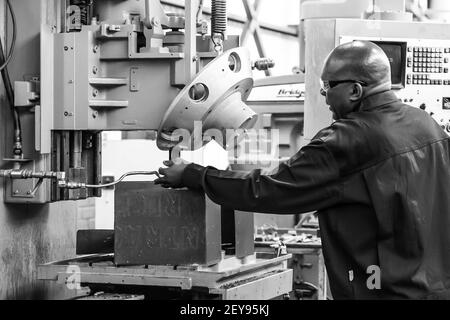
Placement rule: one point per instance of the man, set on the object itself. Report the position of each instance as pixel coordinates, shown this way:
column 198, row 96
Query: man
column 379, row 178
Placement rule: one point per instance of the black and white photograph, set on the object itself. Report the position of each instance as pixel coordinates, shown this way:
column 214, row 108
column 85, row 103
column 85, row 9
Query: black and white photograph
column 233, row 158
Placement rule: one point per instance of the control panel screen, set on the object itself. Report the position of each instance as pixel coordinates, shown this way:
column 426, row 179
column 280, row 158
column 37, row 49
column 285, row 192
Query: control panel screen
column 396, row 52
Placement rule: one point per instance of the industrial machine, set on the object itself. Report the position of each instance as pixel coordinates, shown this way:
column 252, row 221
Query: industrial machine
column 132, row 66
column 122, row 65
column 419, row 53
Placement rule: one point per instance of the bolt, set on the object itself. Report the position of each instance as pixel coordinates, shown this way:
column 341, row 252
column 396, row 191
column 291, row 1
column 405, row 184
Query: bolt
column 95, row 115
column 195, row 58
column 155, row 22
column 66, row 48
column 16, row 192
column 70, row 81
column 94, row 70
column 95, row 93
column 96, row 49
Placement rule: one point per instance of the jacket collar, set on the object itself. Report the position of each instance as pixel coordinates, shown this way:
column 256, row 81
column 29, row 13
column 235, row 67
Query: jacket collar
column 378, row 99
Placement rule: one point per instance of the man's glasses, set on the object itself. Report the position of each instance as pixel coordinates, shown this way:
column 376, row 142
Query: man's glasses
column 326, row 85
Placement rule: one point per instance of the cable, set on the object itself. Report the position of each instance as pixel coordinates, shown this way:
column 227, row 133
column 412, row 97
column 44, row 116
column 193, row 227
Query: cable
column 200, row 10
column 9, row 88
column 134, row 173
column 13, row 42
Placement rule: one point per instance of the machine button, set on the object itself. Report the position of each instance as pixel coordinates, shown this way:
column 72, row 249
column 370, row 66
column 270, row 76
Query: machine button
column 445, row 82
column 428, row 81
column 408, row 81
column 446, row 60
column 445, row 70
column 414, row 81
column 439, row 82
column 409, row 49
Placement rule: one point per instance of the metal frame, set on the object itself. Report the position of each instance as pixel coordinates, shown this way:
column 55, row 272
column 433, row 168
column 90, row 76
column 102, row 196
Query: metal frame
column 251, row 27
column 259, row 279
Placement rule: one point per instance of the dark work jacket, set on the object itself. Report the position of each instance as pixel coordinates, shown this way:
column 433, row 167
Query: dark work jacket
column 380, row 180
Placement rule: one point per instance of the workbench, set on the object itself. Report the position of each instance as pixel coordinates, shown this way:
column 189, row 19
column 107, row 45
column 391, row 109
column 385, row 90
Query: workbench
column 307, row 260
column 258, row 277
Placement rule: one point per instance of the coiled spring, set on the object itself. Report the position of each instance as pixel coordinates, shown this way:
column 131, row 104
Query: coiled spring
column 219, row 17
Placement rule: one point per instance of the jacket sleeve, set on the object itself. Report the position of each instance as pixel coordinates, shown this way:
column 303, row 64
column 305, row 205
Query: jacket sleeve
column 308, row 182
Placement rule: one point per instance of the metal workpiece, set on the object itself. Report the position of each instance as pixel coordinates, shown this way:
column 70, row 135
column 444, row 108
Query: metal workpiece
column 212, row 104
column 157, row 226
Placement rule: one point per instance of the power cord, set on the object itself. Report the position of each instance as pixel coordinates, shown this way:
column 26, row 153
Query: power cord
column 14, row 36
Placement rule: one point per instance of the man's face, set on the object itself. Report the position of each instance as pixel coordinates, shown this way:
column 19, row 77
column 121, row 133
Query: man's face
column 337, row 95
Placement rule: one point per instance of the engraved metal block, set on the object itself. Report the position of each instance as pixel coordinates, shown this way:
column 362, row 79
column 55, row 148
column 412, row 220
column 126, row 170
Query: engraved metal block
column 156, row 226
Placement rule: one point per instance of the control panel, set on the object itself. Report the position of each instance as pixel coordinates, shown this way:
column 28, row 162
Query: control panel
column 420, row 73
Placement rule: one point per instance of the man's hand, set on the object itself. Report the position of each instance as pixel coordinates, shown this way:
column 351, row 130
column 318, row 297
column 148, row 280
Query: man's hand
column 172, row 175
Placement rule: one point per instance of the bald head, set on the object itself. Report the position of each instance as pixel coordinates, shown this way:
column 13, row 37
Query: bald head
column 362, row 61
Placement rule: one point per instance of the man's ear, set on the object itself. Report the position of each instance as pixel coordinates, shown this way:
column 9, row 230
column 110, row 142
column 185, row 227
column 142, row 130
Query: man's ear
column 357, row 92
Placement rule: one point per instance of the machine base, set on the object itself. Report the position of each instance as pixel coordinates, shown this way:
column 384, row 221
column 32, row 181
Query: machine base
column 259, row 277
